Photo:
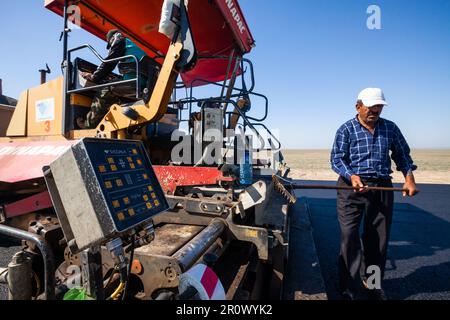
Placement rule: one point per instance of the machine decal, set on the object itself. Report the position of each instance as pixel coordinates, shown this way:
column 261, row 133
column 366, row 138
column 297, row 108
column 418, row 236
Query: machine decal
column 45, row 110
column 15, row 156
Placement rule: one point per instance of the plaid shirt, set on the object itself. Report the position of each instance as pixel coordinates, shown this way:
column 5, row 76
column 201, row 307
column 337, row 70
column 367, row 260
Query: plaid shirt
column 357, row 151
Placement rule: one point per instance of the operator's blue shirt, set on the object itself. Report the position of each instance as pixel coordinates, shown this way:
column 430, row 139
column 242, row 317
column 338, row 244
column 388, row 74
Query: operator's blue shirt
column 357, row 152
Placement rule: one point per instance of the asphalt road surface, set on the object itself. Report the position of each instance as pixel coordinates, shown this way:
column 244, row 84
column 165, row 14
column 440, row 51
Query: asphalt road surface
column 419, row 253
column 418, row 265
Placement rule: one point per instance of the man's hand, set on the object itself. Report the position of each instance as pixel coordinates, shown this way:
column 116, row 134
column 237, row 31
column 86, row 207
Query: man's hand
column 87, row 76
column 410, row 184
column 357, row 184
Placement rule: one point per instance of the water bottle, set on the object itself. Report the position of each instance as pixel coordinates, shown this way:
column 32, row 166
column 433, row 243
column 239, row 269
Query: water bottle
column 246, row 168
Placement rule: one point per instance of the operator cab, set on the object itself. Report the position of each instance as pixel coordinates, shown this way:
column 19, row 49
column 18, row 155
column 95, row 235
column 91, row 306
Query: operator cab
column 135, row 82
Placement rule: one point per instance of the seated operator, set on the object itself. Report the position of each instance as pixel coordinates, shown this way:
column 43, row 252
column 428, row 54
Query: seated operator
column 118, row 46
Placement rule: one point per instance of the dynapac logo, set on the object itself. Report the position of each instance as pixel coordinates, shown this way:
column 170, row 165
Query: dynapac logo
column 234, row 12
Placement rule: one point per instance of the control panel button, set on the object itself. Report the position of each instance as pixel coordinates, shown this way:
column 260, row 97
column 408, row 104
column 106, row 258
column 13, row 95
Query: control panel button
column 121, row 216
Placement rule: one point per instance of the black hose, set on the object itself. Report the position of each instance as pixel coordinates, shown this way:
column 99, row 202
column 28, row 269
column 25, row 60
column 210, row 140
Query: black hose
column 130, row 263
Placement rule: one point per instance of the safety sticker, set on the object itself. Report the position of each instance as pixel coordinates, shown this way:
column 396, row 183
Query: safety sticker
column 45, row 110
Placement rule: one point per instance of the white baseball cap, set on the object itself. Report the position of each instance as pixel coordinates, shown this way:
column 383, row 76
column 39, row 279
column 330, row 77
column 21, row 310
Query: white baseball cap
column 372, row 96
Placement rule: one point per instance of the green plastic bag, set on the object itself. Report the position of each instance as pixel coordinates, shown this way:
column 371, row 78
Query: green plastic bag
column 76, row 294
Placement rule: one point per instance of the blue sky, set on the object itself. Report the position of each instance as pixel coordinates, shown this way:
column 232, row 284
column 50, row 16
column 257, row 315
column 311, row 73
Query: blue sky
column 311, row 60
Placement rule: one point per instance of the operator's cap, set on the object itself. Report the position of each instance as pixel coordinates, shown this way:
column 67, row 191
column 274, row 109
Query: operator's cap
column 109, row 36
column 372, row 96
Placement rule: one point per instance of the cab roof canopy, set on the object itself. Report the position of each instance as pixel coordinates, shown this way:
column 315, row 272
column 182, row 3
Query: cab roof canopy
column 218, row 28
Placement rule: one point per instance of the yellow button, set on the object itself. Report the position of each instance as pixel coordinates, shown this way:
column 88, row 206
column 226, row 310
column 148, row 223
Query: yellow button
column 130, row 159
column 156, row 203
column 116, row 204
column 149, row 205
column 108, row 184
column 131, row 212
column 139, row 162
column 113, row 167
column 102, row 169
column 110, row 160
column 121, row 216
column 132, row 166
column 145, row 176
column 145, row 197
column 126, row 200
column 153, row 195
column 119, row 182
column 150, row 188
column 134, row 151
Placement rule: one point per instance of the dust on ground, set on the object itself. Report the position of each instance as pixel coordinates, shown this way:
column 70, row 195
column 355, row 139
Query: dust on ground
column 433, row 165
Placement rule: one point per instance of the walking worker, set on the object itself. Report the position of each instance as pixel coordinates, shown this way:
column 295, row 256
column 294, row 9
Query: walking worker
column 361, row 157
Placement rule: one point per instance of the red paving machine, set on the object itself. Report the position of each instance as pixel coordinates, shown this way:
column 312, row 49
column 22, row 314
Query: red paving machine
column 138, row 208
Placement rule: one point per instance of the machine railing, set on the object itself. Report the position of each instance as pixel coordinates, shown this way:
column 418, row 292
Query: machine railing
column 114, row 83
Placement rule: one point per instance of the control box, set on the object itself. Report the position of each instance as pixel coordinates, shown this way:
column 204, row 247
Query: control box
column 101, row 189
column 212, row 123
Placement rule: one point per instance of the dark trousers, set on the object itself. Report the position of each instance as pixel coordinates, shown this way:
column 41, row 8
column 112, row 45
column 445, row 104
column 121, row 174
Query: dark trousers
column 374, row 209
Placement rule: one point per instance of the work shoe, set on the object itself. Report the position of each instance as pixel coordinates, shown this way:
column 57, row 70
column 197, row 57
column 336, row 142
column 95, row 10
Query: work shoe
column 348, row 295
column 377, row 294
column 373, row 294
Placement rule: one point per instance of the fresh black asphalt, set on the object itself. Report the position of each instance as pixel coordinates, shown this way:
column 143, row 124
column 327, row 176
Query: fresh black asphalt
column 418, row 264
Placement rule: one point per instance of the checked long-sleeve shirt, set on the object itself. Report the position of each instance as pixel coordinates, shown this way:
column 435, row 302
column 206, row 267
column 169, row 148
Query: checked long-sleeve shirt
column 356, row 151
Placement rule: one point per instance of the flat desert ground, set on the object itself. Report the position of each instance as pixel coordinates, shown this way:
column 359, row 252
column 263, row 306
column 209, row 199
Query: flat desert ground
column 433, row 165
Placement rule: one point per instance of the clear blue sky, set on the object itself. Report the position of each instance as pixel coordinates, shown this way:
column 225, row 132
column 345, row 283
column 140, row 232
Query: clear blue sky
column 311, row 59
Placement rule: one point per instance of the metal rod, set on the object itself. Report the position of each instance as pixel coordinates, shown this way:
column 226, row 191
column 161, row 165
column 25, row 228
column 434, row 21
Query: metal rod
column 65, row 66
column 194, row 249
column 226, row 74
column 47, row 255
column 313, row 186
column 100, row 86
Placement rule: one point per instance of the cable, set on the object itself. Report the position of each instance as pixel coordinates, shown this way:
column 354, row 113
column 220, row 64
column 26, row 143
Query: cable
column 119, row 289
column 38, row 284
column 130, row 263
column 110, row 279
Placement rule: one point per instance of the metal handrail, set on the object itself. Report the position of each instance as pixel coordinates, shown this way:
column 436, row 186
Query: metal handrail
column 47, row 256
column 107, row 61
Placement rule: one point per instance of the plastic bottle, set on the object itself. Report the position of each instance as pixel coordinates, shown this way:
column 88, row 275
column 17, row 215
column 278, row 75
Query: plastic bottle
column 246, row 168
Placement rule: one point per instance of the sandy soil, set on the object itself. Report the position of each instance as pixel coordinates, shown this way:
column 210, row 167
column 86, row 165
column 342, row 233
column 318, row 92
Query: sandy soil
column 434, row 165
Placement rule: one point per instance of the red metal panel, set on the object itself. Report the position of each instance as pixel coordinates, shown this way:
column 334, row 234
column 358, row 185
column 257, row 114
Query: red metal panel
column 31, row 204
column 235, row 18
column 218, row 27
column 170, row 177
column 21, row 161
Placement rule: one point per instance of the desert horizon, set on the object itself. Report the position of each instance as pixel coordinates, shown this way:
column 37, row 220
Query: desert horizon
column 314, row 164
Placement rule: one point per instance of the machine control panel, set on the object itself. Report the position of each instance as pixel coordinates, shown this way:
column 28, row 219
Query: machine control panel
column 102, row 188
column 128, row 182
